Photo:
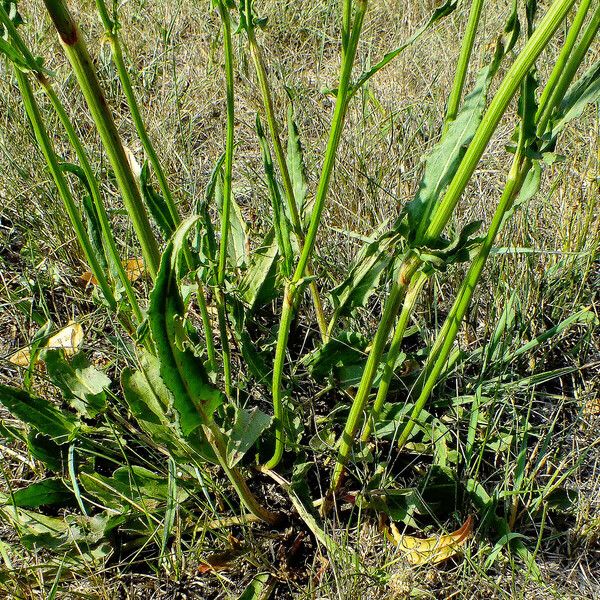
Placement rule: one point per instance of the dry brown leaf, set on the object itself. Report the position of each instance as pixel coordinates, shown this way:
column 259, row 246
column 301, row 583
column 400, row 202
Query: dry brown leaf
column 134, row 269
column 591, row 408
column 222, row 561
column 435, row 549
column 69, row 339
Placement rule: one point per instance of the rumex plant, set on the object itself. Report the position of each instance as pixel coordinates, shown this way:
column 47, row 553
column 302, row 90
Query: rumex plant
column 188, row 391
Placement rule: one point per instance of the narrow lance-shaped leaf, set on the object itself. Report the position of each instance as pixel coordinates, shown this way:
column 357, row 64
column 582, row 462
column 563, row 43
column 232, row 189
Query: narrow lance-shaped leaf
column 280, row 222
column 365, row 274
column 41, row 414
column 584, row 92
column 156, row 204
column 259, row 283
column 42, row 493
column 194, row 398
column 205, row 240
column 247, row 428
column 296, row 166
column 238, row 238
column 444, row 159
column 91, row 213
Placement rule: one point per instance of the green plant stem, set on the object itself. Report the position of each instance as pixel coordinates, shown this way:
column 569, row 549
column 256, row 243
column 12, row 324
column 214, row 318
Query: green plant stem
column 564, row 54
column 43, row 140
column 84, row 71
column 263, row 83
column 508, row 88
column 337, row 126
column 386, row 324
column 229, row 143
column 292, row 289
column 226, row 209
column 442, row 214
column 559, row 83
column 410, row 299
column 224, row 337
column 107, row 235
column 446, row 337
column 463, row 63
column 346, row 25
column 287, row 316
column 519, row 170
column 110, row 29
column 219, row 444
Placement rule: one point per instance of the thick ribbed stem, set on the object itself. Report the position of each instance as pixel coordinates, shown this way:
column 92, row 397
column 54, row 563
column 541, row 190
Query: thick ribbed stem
column 84, row 71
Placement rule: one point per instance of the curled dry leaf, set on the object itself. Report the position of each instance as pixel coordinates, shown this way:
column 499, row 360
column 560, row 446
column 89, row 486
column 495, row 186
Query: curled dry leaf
column 435, row 549
column 69, row 339
column 134, row 269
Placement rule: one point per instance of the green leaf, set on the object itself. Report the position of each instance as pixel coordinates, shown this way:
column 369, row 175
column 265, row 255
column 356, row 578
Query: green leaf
column 82, row 385
column 296, row 166
column 257, row 358
column 37, row 530
column 259, row 286
column 247, row 427
column 445, row 253
column 41, row 414
column 91, row 214
column 529, row 188
column 512, row 29
column 151, row 403
column 238, row 236
column 195, row 399
column 444, row 159
column 42, row 493
column 584, row 316
column 45, row 450
column 130, row 487
column 562, row 499
column 487, row 509
column 257, row 588
column 205, row 241
column 148, row 399
column 13, row 55
column 280, row 221
column 369, row 266
column 10, row 6
column 583, row 92
column 156, row 204
column 345, row 349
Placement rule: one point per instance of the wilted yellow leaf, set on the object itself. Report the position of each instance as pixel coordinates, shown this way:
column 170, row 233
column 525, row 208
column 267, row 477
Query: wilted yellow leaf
column 435, row 549
column 68, row 338
column 20, row 357
column 133, row 163
column 134, row 269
